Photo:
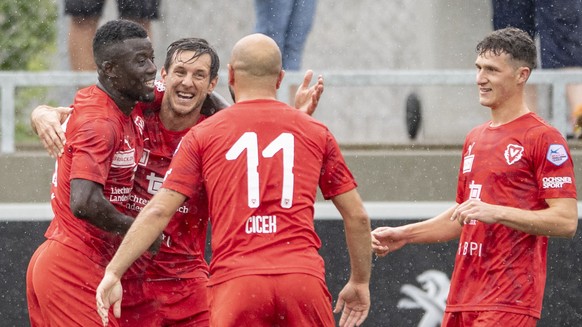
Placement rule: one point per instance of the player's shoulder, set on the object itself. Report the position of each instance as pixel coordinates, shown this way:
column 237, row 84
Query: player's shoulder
column 537, row 126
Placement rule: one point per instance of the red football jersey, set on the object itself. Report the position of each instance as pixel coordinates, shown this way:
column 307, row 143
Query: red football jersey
column 103, row 146
column 182, row 252
column 261, row 162
column 518, row 164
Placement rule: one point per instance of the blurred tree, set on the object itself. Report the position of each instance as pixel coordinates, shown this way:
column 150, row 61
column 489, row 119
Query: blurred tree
column 28, row 34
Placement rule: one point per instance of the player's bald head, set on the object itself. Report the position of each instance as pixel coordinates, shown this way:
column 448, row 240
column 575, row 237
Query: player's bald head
column 256, row 55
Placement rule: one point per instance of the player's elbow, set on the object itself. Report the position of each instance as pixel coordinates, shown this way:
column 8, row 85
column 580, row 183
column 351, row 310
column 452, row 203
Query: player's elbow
column 570, row 228
column 156, row 212
column 81, row 208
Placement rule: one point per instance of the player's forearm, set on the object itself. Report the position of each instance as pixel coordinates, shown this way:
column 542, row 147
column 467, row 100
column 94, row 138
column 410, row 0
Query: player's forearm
column 359, row 242
column 146, row 228
column 88, row 203
column 358, row 234
column 434, row 230
column 107, row 217
column 144, row 231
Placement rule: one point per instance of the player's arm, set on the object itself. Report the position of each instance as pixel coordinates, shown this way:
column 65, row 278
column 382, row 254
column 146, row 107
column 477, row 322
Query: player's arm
column 355, row 296
column 560, row 219
column 88, row 203
column 437, row 229
column 46, row 122
column 150, row 223
column 307, row 98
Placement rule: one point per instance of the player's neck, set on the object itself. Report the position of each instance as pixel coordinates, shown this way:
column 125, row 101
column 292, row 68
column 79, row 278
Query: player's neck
column 508, row 112
column 256, row 91
column 124, row 104
column 176, row 122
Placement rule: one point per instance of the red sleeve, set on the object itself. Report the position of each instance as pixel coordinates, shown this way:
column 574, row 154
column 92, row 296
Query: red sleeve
column 92, row 146
column 336, row 177
column 552, row 161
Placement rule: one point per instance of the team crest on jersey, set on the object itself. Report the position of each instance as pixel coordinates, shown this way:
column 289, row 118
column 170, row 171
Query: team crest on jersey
column 557, row 154
column 513, row 153
column 139, row 122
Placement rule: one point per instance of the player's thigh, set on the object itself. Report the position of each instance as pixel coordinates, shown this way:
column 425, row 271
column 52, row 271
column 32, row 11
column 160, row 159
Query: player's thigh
column 303, row 300
column 138, row 9
column 84, row 8
column 175, row 303
column 487, row 319
column 65, row 282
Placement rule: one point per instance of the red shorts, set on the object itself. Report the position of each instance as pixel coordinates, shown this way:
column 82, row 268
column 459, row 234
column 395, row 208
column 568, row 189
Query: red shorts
column 177, row 303
column 60, row 288
column 487, row 319
column 271, row 300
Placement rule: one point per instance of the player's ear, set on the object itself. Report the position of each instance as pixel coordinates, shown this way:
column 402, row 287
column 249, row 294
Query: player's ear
column 523, row 74
column 163, row 74
column 280, row 78
column 230, row 75
column 108, row 68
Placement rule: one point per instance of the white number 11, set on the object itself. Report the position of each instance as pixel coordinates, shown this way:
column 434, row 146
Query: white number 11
column 284, row 142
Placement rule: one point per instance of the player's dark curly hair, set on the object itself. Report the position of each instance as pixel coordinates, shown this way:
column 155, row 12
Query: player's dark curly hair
column 196, row 45
column 113, row 32
column 513, row 41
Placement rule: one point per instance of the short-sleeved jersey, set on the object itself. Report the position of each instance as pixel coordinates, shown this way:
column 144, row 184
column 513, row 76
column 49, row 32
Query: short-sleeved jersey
column 260, row 162
column 181, row 255
column 103, row 146
column 518, row 164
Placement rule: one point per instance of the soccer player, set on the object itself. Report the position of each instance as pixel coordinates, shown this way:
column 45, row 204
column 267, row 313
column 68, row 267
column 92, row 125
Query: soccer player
column 92, row 180
column 260, row 162
column 515, row 189
column 172, row 289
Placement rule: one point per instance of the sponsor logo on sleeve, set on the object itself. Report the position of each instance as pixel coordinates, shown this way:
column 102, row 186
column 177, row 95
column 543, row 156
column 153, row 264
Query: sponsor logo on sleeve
column 556, row 182
column 557, row 154
column 124, row 159
column 513, row 153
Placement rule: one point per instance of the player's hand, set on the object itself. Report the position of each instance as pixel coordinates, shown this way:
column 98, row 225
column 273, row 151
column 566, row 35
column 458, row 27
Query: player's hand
column 354, row 299
column 46, row 123
column 109, row 292
column 386, row 240
column 307, row 98
column 473, row 210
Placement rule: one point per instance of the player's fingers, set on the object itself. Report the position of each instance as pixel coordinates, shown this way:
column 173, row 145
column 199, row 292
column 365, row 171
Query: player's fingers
column 320, row 86
column 351, row 317
column 362, row 317
column 102, row 308
column 53, row 150
column 307, row 78
column 117, row 309
column 64, row 111
column 338, row 305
